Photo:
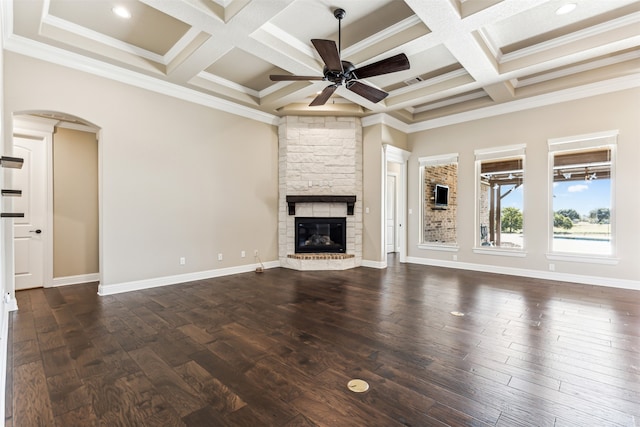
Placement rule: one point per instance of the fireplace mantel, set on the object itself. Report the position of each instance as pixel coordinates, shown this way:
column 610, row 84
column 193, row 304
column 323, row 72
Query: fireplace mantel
column 292, row 200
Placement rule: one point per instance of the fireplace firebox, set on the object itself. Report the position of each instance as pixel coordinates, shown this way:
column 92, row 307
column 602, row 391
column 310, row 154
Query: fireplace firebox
column 321, row 235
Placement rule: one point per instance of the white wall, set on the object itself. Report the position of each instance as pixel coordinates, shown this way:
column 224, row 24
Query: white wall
column 177, row 179
column 615, row 111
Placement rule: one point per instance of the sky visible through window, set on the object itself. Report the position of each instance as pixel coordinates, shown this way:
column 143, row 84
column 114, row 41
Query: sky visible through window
column 583, row 196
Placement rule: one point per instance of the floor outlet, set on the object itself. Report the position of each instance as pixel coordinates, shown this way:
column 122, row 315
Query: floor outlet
column 219, row 257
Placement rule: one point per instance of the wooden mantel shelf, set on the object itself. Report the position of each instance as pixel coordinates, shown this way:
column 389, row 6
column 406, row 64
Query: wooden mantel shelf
column 349, row 200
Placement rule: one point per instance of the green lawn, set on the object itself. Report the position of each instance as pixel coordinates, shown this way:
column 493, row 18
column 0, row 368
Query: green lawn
column 585, row 229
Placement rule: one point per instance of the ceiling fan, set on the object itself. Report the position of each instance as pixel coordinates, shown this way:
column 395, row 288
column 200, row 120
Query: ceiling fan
column 340, row 72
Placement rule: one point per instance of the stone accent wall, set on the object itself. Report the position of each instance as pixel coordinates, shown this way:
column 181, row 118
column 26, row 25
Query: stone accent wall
column 320, row 156
column 440, row 224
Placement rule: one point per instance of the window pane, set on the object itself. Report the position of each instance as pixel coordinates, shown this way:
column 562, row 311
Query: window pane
column 440, row 203
column 582, row 202
column 501, row 203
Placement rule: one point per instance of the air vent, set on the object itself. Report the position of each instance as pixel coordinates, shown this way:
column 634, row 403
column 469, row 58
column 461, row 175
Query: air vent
column 413, row 81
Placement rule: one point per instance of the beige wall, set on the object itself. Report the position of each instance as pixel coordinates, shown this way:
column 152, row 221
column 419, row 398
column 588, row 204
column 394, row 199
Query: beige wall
column 372, row 181
column 75, row 203
column 374, row 137
column 177, row 179
column 534, row 127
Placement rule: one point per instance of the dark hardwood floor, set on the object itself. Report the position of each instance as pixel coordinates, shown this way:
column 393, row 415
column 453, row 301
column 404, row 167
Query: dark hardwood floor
column 278, row 348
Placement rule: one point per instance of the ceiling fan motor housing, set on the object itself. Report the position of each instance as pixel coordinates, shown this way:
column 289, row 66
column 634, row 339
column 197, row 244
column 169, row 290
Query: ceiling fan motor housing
column 337, row 76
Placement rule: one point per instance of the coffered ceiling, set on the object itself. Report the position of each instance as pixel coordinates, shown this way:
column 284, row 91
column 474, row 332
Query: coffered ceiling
column 468, row 58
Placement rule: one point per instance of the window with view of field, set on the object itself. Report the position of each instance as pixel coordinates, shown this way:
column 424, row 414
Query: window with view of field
column 500, row 197
column 582, row 202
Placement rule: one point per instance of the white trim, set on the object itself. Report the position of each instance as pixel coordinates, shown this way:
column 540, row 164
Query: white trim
column 77, row 62
column 571, row 94
column 78, row 30
column 442, row 247
column 589, row 259
column 589, row 140
column 385, row 119
column 40, row 129
column 494, row 250
column 437, row 160
column 442, row 159
column 381, row 36
column 179, row 278
column 75, row 280
column 373, row 264
column 581, row 35
column 394, row 154
column 500, row 152
column 576, row 143
column 536, row 274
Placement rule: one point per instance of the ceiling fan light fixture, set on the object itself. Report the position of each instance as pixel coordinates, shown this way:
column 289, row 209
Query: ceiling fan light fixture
column 566, row 8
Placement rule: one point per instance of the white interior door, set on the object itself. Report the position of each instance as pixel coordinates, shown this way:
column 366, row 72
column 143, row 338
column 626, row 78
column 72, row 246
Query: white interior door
column 29, row 231
column 390, row 235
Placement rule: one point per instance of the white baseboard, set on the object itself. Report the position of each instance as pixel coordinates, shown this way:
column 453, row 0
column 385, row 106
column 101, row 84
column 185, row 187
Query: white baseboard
column 75, row 280
column 180, row 278
column 374, row 264
column 536, row 274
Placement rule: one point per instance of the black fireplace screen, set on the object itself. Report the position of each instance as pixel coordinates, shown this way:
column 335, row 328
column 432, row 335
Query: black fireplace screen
column 321, row 235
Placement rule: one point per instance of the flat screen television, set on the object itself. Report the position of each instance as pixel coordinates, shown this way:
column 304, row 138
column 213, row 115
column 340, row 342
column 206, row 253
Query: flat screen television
column 441, row 196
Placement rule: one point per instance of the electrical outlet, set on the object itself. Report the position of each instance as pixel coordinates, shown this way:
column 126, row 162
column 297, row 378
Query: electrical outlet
column 243, row 254
column 255, row 252
column 455, row 257
column 219, row 257
column 552, row 267
column 183, row 260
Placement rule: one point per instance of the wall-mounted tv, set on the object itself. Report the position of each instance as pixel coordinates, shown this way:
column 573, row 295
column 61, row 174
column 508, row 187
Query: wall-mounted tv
column 441, row 196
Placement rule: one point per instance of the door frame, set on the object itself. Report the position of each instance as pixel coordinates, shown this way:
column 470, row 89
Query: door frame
column 396, row 222
column 394, row 154
column 42, row 129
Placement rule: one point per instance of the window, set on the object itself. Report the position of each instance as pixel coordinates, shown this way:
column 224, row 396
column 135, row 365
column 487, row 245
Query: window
column 582, row 182
column 439, row 183
column 500, row 176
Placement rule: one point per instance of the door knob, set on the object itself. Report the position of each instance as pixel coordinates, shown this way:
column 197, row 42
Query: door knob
column 38, row 231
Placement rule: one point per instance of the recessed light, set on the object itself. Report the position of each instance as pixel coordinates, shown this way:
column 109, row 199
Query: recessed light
column 121, row 11
column 567, row 8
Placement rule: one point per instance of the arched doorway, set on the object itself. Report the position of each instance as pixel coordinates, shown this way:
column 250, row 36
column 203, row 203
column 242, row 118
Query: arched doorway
column 57, row 241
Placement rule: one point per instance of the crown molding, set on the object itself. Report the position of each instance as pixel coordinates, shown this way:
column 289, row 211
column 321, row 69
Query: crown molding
column 58, row 56
column 385, row 119
column 572, row 94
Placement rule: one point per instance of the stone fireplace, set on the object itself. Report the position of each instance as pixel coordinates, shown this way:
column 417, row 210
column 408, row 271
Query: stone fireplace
column 320, row 182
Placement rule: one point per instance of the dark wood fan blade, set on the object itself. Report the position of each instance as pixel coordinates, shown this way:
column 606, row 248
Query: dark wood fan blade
column 329, row 53
column 371, row 93
column 392, row 64
column 324, row 96
column 283, row 78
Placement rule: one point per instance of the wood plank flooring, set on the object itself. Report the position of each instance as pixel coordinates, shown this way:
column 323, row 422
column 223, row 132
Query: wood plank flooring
column 278, row 348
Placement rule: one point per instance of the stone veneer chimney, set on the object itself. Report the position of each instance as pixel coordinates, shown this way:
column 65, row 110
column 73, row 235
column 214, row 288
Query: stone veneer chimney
column 320, row 156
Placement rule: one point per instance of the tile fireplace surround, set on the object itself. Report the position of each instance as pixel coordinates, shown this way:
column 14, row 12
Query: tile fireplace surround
column 320, row 156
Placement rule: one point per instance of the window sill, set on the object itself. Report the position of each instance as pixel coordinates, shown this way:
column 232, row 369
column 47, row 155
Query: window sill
column 500, row 252
column 591, row 259
column 444, row 247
